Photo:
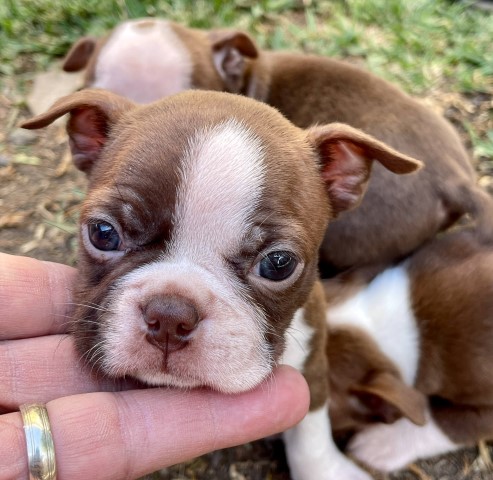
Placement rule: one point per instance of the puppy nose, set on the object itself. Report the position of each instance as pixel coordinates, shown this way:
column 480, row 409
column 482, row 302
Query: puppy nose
column 170, row 322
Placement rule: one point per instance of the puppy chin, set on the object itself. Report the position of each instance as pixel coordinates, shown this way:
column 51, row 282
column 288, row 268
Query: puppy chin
column 186, row 369
column 229, row 386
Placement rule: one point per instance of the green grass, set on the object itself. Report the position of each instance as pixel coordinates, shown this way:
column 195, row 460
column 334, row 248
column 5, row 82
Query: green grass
column 421, row 44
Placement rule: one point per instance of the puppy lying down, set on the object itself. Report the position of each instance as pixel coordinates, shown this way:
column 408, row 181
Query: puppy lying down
column 410, row 353
column 199, row 241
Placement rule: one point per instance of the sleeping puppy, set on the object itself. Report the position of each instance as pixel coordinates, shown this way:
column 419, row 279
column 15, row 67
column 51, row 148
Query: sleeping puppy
column 410, row 353
column 199, row 241
column 148, row 59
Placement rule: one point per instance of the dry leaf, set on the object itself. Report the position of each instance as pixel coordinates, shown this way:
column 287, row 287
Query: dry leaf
column 10, row 220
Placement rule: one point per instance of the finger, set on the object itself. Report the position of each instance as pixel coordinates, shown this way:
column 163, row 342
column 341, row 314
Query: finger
column 44, row 368
column 129, row 434
column 35, row 297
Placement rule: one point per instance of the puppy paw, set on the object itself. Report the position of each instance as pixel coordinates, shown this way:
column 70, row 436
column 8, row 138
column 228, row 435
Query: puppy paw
column 346, row 470
column 330, row 469
column 392, row 447
column 378, row 448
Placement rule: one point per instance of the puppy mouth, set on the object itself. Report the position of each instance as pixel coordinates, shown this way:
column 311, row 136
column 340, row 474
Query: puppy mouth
column 211, row 357
column 158, row 363
column 176, row 324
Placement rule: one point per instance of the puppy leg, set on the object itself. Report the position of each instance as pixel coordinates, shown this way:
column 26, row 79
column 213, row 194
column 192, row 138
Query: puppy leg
column 310, row 449
column 392, row 447
column 312, row 454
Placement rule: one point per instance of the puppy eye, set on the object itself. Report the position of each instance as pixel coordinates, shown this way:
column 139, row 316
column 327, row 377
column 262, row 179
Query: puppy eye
column 104, row 236
column 277, row 266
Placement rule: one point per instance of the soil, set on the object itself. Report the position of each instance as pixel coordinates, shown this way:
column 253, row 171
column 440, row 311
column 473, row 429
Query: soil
column 40, row 193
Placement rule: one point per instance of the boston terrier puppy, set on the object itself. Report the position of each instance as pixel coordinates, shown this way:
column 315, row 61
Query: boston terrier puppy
column 410, row 352
column 199, row 241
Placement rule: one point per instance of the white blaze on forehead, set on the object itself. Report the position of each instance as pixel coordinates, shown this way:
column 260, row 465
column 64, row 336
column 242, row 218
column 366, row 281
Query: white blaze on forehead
column 144, row 61
column 222, row 180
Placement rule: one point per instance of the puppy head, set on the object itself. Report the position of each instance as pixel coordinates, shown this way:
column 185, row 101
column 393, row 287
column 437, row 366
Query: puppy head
column 142, row 60
column 148, row 59
column 200, row 231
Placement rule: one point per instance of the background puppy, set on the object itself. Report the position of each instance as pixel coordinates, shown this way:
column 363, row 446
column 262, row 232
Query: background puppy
column 411, row 347
column 150, row 58
column 199, row 245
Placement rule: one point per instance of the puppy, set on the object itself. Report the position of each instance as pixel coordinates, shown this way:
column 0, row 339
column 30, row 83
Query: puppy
column 148, row 59
column 411, row 347
column 199, row 241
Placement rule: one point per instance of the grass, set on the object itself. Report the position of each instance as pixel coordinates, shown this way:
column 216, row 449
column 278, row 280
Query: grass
column 423, row 45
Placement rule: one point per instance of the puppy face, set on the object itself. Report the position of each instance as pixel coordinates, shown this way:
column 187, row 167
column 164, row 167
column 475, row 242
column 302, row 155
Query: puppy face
column 200, row 231
column 203, row 238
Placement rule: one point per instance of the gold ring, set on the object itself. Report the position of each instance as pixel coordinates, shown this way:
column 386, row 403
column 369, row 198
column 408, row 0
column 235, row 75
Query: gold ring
column 39, row 441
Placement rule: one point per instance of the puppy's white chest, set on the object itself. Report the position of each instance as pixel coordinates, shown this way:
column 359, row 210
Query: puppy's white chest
column 383, row 310
column 299, row 336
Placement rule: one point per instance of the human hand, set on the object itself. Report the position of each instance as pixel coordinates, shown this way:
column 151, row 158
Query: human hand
column 99, row 432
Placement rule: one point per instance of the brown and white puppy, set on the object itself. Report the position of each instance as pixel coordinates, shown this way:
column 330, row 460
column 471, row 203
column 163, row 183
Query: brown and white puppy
column 147, row 59
column 199, row 241
column 410, row 353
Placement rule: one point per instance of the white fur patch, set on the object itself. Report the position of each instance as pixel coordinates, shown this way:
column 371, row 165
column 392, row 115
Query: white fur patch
column 298, row 338
column 312, row 454
column 383, row 310
column 222, row 179
column 144, row 60
column 228, row 351
column 392, row 447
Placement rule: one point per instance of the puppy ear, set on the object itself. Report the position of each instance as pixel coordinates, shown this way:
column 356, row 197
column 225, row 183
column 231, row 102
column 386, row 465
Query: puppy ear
column 346, row 155
column 79, row 54
column 386, row 398
column 93, row 113
column 229, row 50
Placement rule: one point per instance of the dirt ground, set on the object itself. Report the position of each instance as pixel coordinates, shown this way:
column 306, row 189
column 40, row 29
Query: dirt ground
column 40, row 192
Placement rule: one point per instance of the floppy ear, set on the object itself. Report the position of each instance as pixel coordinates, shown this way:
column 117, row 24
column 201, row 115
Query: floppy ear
column 93, row 113
column 229, row 50
column 346, row 156
column 79, row 54
column 386, row 398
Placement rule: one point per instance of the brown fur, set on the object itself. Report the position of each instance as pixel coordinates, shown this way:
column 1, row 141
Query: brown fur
column 310, row 90
column 117, row 154
column 409, row 212
column 112, row 138
column 84, row 55
column 315, row 369
column 204, row 75
column 452, row 299
column 365, row 386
